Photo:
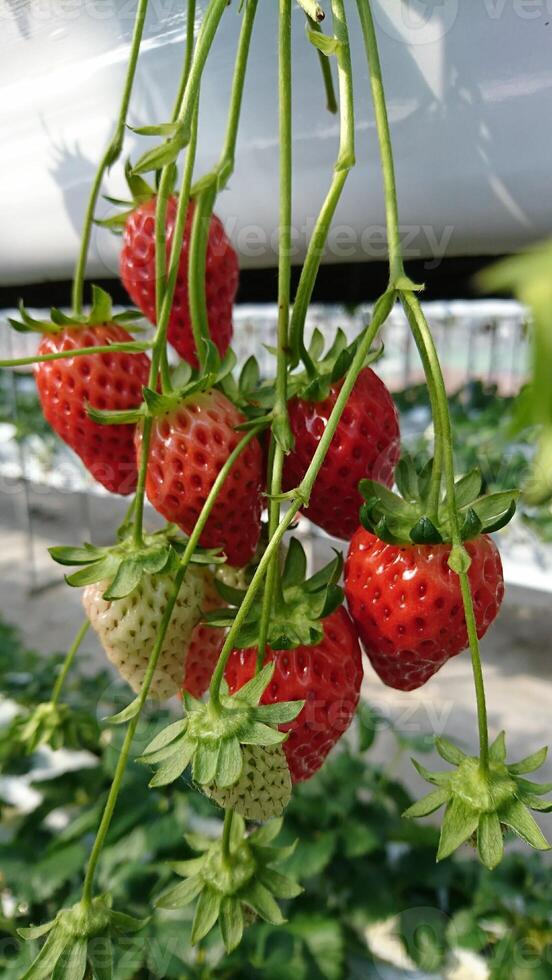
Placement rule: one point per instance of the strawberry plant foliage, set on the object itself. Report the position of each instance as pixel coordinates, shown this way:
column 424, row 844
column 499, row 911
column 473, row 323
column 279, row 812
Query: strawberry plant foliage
column 209, row 451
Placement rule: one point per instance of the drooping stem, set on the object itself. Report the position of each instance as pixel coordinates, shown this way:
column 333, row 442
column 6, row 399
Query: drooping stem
column 280, row 420
column 301, row 495
column 111, row 154
column 189, row 50
column 326, row 69
column 197, row 263
column 344, row 163
column 443, row 429
column 68, row 662
column 131, row 347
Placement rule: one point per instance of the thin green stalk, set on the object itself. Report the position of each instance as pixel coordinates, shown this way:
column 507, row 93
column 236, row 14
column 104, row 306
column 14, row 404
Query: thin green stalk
column 432, row 367
column 226, row 836
column 111, row 154
column 384, row 137
column 300, row 496
column 209, row 27
column 189, row 50
column 344, row 163
column 68, row 662
column 163, row 322
column 132, row 347
column 197, row 263
column 281, row 422
column 326, row 69
column 152, row 664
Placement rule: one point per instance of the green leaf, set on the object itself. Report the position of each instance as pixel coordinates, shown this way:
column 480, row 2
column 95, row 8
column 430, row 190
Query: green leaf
column 493, row 505
column 231, row 922
column 35, row 932
column 229, row 763
column 428, row 804
column 250, row 375
column 96, row 572
column 72, row 963
column 206, row 914
column 101, row 311
column 123, row 923
column 175, row 765
column 267, row 832
column 182, row 894
column 158, row 157
column 437, row 778
column 535, row 802
column 490, row 842
column 76, row 556
column 425, row 532
column 127, row 714
column 467, row 488
column 261, row 901
column 279, row 885
column 329, row 46
column 205, row 762
column 449, row 752
column 497, row 751
column 517, row 817
column 165, row 737
column 279, row 713
column 530, row 762
column 259, row 734
column 459, row 824
column 295, row 567
column 126, row 579
column 44, row 964
column 253, row 691
column 100, row 955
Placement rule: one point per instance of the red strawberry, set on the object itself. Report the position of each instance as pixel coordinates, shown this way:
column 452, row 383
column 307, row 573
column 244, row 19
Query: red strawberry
column 189, row 445
column 137, row 268
column 327, row 675
column 366, row 444
column 407, row 606
column 105, row 381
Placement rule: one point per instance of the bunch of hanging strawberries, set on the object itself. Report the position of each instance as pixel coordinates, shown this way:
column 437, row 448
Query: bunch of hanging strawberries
column 403, row 602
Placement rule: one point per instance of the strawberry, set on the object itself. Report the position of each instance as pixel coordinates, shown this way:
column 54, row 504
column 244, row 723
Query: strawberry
column 263, row 790
column 407, row 605
column 328, row 674
column 365, row 444
column 127, row 627
column 105, row 381
column 189, row 445
column 137, row 268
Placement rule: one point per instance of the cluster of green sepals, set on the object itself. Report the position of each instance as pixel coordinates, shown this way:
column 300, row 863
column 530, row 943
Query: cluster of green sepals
column 482, row 804
column 101, row 312
column 300, row 604
column 406, row 519
column 235, row 884
column 78, row 941
column 210, row 739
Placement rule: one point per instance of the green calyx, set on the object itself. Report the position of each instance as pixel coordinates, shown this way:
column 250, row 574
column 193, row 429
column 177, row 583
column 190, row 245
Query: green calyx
column 300, row 604
column 211, row 740
column 230, row 886
column 324, row 370
column 186, row 382
column 56, row 725
column 101, row 312
column 140, row 193
column 405, row 519
column 123, row 565
column 79, row 939
column 482, row 805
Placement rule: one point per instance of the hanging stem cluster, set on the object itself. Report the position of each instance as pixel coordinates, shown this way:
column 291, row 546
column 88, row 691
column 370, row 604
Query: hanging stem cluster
column 182, row 135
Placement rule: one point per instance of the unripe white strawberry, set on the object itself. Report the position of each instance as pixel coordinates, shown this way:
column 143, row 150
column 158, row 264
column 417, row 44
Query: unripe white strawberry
column 236, row 578
column 127, row 628
column 264, row 788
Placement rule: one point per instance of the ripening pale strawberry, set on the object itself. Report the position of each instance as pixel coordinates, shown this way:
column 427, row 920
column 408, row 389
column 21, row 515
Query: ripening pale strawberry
column 127, row 628
column 407, row 606
column 366, row 444
column 104, row 381
column 137, row 268
column 189, row 446
column 328, row 675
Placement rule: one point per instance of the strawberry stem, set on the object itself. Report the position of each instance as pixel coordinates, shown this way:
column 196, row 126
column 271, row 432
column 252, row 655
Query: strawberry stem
column 431, row 365
column 226, row 836
column 326, row 69
column 344, row 163
column 111, row 154
column 131, row 347
column 68, row 662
